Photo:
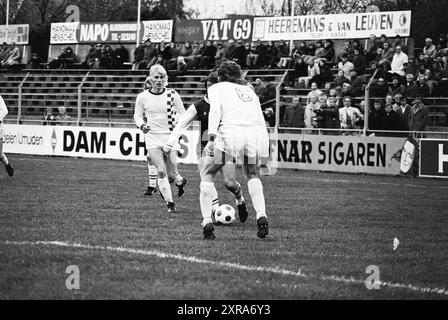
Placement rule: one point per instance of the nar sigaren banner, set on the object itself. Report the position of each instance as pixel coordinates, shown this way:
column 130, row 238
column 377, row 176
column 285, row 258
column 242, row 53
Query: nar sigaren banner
column 18, row 33
column 239, row 28
column 354, row 154
column 126, row 32
column 335, row 26
column 89, row 142
column 434, row 158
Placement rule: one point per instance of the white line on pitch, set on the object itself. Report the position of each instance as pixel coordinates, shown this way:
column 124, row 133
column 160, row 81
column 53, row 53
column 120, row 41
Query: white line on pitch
column 230, row 265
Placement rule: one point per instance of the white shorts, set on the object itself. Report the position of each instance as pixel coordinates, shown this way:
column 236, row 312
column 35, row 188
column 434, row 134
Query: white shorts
column 251, row 142
column 158, row 141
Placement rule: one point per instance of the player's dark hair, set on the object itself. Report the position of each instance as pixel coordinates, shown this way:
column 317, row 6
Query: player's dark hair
column 211, row 78
column 229, row 71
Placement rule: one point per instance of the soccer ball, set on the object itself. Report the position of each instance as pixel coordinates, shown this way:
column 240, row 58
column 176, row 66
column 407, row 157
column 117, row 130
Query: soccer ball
column 225, row 214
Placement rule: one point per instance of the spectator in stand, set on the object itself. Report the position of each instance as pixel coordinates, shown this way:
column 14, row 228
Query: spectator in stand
column 397, row 101
column 346, row 66
column 230, row 50
column 139, row 53
column 372, row 46
column 348, row 115
column 357, row 85
column 300, row 70
column 429, row 50
column 391, row 121
column 35, row 62
column 63, row 118
column 198, row 53
column 13, row 56
column 389, row 101
column 443, row 40
column 183, row 58
column 412, row 67
column 314, row 92
column 271, row 55
column 423, row 88
column 411, row 88
column 327, row 115
column 164, row 54
column 4, row 51
column 309, row 111
column 313, row 70
column 260, row 51
column 106, row 57
column 320, row 51
column 404, row 113
column 399, row 63
column 357, row 46
column 173, row 63
column 283, row 55
column 194, row 56
column 252, row 56
column 49, row 118
column 208, row 58
column 240, row 54
column 337, row 98
column 220, row 55
column 340, row 79
column 359, row 61
column 149, row 55
column 64, row 61
column 267, row 92
column 302, row 50
column 376, row 117
column 347, row 50
column 396, row 87
column 328, row 51
column 324, row 75
column 419, row 116
column 259, row 85
column 294, row 115
column 312, row 49
column 120, row 57
column 379, row 89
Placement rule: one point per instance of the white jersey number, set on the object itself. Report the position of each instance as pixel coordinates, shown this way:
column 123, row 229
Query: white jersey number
column 244, row 94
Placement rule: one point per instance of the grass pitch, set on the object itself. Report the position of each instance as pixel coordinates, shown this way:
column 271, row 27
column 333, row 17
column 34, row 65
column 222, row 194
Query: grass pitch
column 326, row 229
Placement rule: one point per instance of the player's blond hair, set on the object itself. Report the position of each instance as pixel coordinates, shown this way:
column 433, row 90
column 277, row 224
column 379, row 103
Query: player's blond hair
column 158, row 69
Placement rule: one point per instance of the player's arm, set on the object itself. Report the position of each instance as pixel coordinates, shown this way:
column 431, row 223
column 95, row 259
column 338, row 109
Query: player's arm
column 214, row 117
column 3, row 109
column 139, row 113
column 184, row 122
column 179, row 105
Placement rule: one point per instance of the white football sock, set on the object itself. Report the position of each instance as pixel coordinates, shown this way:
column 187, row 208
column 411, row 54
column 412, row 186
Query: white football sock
column 152, row 175
column 215, row 202
column 255, row 188
column 4, row 159
column 165, row 189
column 178, row 179
column 206, row 197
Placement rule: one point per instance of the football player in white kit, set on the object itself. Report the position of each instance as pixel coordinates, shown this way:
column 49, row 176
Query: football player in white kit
column 3, row 158
column 161, row 106
column 237, row 132
column 199, row 110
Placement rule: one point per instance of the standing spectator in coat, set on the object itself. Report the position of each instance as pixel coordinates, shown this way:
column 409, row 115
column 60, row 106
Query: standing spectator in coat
column 309, row 111
column 294, row 114
column 391, row 121
column 240, row 55
column 376, row 117
column 396, row 87
column 411, row 88
column 348, row 115
column 379, row 89
column 328, row 115
column 404, row 112
column 419, row 116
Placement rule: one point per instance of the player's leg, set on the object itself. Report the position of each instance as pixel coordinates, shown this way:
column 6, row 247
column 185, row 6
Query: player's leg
column 158, row 158
column 203, row 164
column 152, row 178
column 255, row 187
column 229, row 177
column 206, row 198
column 4, row 159
column 173, row 173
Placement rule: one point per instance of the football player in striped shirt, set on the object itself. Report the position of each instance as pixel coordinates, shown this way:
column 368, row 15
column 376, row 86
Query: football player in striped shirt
column 161, row 106
column 199, row 110
column 3, row 158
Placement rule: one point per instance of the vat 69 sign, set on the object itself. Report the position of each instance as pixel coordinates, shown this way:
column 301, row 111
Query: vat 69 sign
column 87, row 142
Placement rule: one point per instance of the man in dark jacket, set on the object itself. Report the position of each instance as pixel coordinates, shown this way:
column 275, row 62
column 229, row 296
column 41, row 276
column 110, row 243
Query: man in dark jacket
column 411, row 88
column 419, row 116
column 294, row 114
